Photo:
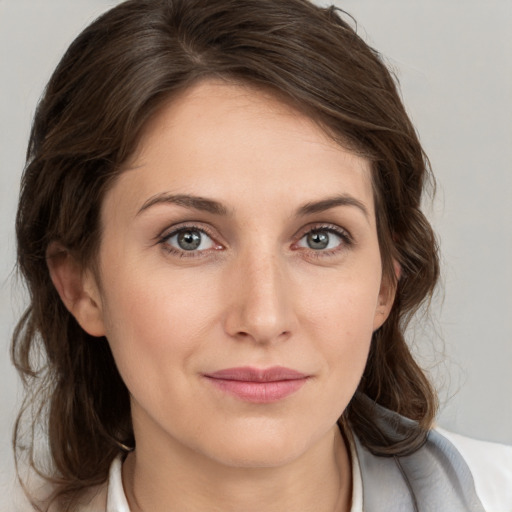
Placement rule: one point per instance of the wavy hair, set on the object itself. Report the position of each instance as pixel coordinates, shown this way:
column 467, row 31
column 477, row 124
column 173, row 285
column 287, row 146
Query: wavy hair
column 110, row 82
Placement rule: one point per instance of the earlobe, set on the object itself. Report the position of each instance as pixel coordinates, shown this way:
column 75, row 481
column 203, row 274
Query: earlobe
column 387, row 296
column 77, row 289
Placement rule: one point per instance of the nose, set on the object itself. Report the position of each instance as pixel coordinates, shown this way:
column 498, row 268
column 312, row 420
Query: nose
column 260, row 300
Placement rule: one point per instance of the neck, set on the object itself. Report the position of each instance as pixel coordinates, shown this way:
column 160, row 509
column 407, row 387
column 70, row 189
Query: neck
column 186, row 481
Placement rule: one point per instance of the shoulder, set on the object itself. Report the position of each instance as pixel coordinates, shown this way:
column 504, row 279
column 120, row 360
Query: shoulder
column 491, row 467
column 93, row 500
column 448, row 472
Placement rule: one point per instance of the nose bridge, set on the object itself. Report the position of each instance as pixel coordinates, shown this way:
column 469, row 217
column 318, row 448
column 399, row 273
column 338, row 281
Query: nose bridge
column 260, row 307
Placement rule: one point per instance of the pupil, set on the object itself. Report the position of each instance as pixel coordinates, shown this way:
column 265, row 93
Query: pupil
column 318, row 240
column 189, row 240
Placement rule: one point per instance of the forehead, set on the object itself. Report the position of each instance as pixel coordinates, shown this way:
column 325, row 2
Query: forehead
column 240, row 142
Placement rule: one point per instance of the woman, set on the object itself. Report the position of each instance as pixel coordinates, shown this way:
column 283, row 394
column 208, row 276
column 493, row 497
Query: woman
column 220, row 228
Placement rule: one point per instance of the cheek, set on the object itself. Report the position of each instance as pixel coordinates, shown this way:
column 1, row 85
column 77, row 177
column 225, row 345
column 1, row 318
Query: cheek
column 153, row 326
column 341, row 319
column 346, row 305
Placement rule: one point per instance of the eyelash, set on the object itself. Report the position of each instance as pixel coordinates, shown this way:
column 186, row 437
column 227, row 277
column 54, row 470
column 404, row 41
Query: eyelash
column 346, row 241
column 164, row 239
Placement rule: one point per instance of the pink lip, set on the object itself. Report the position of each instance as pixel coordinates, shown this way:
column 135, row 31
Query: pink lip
column 259, row 386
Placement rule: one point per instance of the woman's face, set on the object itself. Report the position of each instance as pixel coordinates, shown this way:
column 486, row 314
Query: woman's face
column 239, row 239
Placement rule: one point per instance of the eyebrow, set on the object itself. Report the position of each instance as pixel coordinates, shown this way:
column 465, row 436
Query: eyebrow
column 187, row 201
column 332, row 202
column 211, row 206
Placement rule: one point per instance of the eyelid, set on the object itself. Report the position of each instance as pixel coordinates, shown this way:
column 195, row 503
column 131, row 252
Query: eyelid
column 344, row 234
column 173, row 230
column 324, row 226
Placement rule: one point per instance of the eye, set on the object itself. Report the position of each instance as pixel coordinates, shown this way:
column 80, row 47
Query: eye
column 323, row 239
column 188, row 239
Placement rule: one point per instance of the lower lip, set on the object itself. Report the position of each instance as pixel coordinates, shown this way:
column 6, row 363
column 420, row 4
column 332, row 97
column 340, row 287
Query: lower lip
column 259, row 392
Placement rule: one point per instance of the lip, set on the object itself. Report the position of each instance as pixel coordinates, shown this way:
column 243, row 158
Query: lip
column 258, row 385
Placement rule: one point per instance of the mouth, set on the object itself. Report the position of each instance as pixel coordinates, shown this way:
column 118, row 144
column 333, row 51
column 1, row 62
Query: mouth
column 258, row 385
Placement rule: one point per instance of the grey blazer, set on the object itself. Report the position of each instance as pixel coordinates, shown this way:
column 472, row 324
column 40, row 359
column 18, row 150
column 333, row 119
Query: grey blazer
column 435, row 478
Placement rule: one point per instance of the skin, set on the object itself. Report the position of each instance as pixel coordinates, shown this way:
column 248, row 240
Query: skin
column 254, row 294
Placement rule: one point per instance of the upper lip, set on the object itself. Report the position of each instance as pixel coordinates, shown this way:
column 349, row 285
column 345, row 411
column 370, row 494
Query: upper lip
column 250, row 374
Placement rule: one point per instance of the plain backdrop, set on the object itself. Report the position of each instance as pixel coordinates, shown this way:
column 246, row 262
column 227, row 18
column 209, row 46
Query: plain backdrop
column 454, row 62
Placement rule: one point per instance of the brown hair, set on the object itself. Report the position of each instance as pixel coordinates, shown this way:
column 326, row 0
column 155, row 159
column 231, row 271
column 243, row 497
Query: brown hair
column 112, row 79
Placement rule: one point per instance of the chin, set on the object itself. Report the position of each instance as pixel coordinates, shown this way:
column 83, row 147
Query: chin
column 260, row 449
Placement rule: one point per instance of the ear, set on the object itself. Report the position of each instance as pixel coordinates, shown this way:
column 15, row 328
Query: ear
column 77, row 288
column 387, row 295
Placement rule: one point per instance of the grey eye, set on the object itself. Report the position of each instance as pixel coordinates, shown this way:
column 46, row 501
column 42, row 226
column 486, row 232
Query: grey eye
column 188, row 239
column 320, row 239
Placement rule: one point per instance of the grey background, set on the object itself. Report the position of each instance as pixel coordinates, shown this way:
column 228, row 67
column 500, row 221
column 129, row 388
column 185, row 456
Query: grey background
column 454, row 62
